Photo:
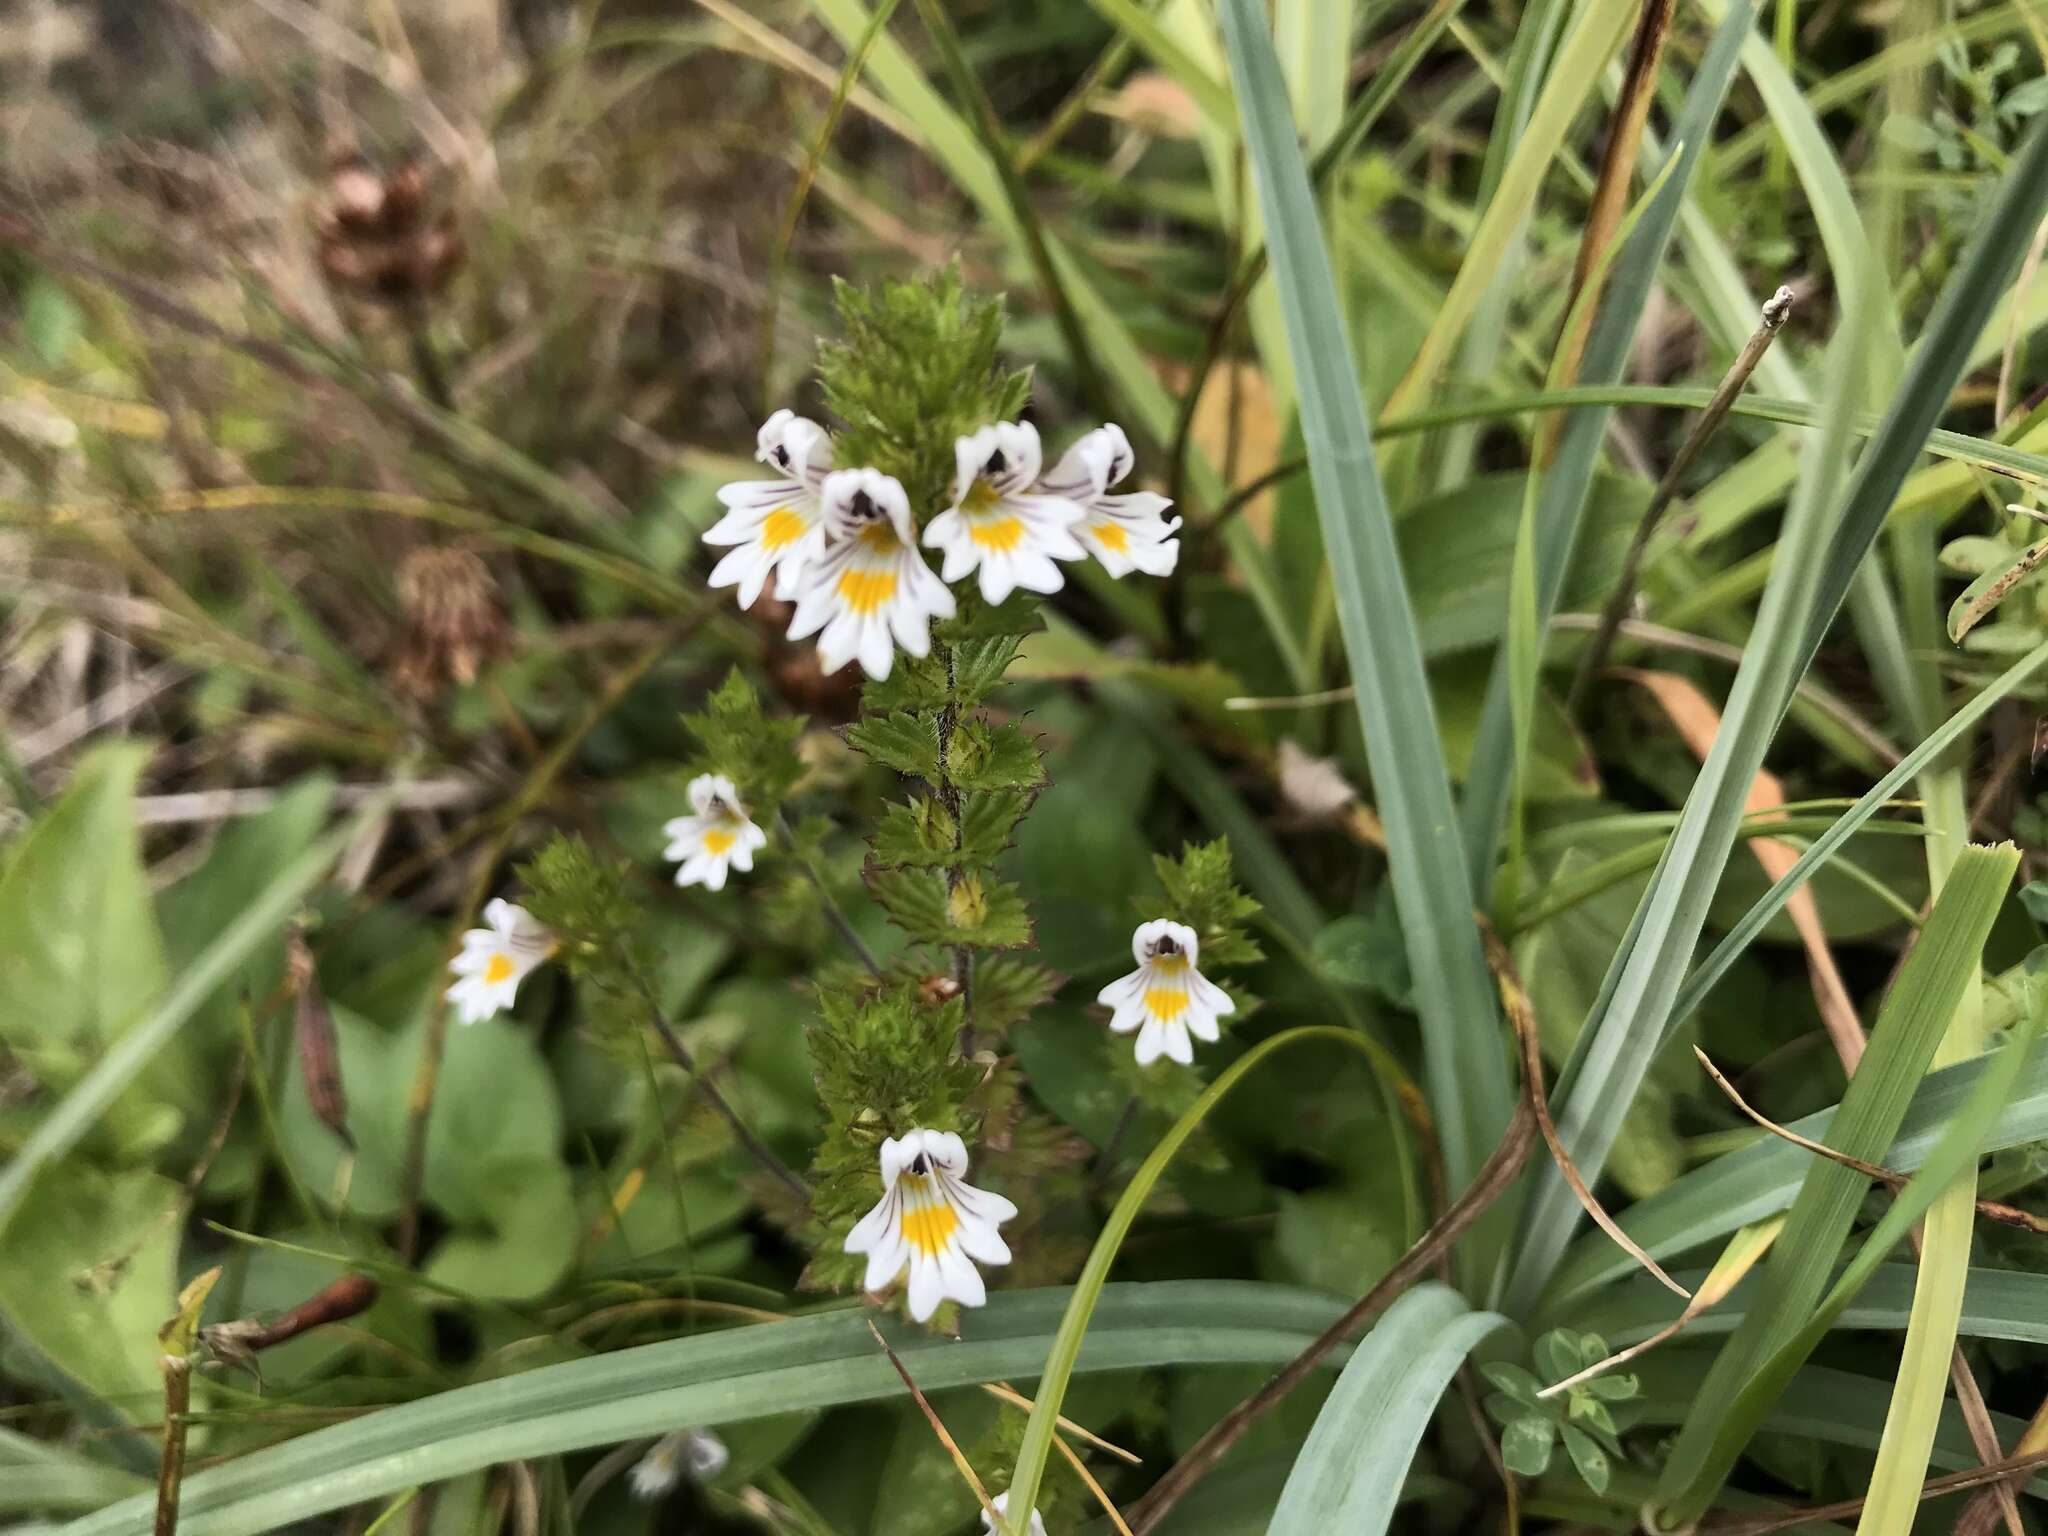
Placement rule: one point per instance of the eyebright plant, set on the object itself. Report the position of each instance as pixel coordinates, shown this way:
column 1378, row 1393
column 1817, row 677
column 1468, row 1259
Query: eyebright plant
column 922, row 1101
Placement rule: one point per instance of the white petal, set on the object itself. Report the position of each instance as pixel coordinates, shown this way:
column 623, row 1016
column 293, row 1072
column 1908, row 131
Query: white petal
column 961, row 1279
column 927, row 1287
column 1125, row 989
column 1151, row 1041
column 877, row 650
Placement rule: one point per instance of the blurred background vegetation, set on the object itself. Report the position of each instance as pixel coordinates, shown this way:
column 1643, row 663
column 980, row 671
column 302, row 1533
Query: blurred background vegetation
column 367, row 373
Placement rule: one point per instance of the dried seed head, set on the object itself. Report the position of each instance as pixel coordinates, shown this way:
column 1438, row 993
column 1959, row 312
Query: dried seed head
column 319, row 1047
column 379, row 238
column 454, row 624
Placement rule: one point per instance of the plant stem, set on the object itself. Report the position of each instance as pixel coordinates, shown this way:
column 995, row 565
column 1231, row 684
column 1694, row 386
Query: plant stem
column 1775, row 309
column 949, row 796
column 760, row 1149
column 834, row 913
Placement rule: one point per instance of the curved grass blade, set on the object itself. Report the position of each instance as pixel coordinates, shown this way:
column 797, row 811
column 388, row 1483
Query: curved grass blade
column 743, row 1373
column 1350, row 1471
column 1764, row 1177
column 1752, row 922
column 1089, row 1291
column 1465, row 1067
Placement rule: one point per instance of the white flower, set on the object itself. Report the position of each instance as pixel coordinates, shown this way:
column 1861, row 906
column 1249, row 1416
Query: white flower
column 718, row 837
column 871, row 584
column 778, row 525
column 699, row 1451
column 1126, row 532
column 1001, row 520
column 496, row 959
column 1165, row 994
column 930, row 1219
column 1002, row 1504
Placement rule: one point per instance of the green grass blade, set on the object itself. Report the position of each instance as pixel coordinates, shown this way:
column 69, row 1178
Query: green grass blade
column 2008, row 1304
column 717, row 1378
column 1972, row 291
column 1772, row 902
column 1465, row 1066
column 1086, row 1298
column 1931, row 984
column 1763, row 1178
column 1350, row 1471
column 1595, row 36
column 1618, row 1041
column 1569, row 481
column 61, row 1129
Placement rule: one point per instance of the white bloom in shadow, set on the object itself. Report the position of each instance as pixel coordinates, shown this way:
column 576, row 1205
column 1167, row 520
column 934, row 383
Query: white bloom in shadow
column 777, row 526
column 1002, row 522
column 1034, row 1527
column 495, row 959
column 1126, row 532
column 1166, row 999
column 871, row 590
column 696, row 1451
column 716, row 837
column 933, row 1221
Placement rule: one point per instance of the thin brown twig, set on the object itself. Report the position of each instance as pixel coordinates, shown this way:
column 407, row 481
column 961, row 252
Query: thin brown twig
column 1515, row 1002
column 1494, row 1179
column 1769, row 323
column 1991, row 1210
column 1934, row 1487
column 1617, row 171
column 759, row 1149
column 960, row 1461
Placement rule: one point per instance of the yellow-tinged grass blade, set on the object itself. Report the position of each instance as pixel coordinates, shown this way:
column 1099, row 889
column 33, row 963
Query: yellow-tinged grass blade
column 1592, row 42
column 1766, row 1349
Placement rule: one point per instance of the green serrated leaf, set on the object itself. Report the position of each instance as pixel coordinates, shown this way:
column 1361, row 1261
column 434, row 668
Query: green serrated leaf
column 979, row 910
column 905, row 742
column 916, row 835
column 1526, row 1444
column 983, row 756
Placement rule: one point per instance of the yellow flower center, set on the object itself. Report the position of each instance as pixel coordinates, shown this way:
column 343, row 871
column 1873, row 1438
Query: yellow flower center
column 1002, row 535
column 927, row 1228
column 880, row 535
column 1111, row 536
column 1166, row 1003
column 499, row 969
column 1170, row 965
column 981, row 497
column 866, row 592
column 780, row 529
column 718, row 841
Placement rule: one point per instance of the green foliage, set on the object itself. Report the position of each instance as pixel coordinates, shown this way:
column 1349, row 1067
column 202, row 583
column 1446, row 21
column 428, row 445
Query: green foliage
column 1201, row 891
column 1582, row 1416
column 755, row 750
column 914, row 368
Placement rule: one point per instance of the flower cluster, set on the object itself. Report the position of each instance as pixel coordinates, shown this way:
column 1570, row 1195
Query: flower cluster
column 843, row 546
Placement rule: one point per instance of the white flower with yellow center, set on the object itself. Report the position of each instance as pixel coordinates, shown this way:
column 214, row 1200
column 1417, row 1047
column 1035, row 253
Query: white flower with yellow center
column 718, row 837
column 1034, row 1527
column 1002, row 522
column 1165, row 999
column 932, row 1220
column 871, row 590
column 777, row 525
column 494, row 960
column 1126, row 532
